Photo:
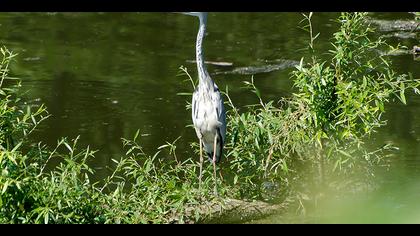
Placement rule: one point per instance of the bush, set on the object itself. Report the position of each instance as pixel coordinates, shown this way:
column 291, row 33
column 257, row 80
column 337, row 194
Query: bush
column 142, row 189
column 339, row 102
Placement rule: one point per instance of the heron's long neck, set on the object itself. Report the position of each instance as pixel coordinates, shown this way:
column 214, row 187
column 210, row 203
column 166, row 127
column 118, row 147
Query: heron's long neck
column 201, row 67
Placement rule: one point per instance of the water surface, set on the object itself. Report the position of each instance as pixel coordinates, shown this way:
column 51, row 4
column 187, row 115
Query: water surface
column 104, row 75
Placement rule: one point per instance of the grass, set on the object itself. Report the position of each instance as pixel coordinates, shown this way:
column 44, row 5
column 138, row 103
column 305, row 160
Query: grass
column 142, row 189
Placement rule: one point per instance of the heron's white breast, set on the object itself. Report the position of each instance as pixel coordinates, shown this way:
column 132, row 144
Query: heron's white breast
column 207, row 119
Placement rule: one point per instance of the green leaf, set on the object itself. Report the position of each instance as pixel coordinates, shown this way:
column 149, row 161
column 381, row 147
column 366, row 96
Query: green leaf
column 6, row 184
column 68, row 147
column 184, row 94
column 257, row 91
column 136, row 135
column 402, row 95
column 46, row 217
column 344, row 153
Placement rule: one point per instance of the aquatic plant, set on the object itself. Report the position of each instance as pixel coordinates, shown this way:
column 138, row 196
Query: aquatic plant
column 338, row 103
column 346, row 94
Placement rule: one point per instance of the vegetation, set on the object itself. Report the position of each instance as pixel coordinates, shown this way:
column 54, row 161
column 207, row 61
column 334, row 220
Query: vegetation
column 338, row 104
column 142, row 189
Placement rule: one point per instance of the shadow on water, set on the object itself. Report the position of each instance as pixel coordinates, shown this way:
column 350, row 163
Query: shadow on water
column 104, row 75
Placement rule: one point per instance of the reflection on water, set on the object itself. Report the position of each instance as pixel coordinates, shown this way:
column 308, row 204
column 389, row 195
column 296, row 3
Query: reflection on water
column 105, row 75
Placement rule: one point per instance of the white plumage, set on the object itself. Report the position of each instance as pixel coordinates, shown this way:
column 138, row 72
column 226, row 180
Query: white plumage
column 209, row 119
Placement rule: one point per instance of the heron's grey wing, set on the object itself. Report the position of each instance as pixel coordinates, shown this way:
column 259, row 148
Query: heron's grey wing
column 220, row 109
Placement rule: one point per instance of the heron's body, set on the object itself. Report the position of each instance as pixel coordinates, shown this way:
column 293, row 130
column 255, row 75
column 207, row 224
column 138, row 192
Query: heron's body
column 208, row 112
column 209, row 118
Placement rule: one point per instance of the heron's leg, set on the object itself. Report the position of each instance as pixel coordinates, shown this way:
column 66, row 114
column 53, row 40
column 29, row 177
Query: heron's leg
column 220, row 172
column 214, row 164
column 201, row 164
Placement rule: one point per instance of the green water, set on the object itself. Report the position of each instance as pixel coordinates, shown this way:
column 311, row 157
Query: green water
column 104, row 75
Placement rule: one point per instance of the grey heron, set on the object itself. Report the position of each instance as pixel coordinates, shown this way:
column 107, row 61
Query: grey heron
column 208, row 111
